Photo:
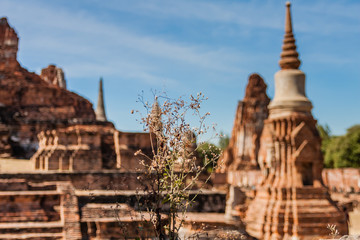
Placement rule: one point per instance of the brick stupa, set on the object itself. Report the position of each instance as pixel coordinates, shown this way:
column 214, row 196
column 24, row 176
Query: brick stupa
column 291, row 202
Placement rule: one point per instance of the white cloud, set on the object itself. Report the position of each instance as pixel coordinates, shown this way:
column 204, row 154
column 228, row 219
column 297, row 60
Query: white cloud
column 84, row 36
column 253, row 14
column 318, row 17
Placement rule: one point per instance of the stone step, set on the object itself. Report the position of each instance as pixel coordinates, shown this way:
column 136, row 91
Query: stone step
column 32, row 236
column 28, row 193
column 31, row 227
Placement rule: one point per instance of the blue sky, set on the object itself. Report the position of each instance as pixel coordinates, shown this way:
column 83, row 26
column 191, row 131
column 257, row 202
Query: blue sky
column 184, row 47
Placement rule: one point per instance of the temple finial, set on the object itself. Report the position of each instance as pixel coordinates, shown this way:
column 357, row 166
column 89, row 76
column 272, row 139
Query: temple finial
column 155, row 117
column 100, row 110
column 289, row 56
column 156, row 110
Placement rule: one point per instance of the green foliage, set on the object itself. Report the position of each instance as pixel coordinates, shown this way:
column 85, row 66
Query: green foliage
column 325, row 134
column 324, row 131
column 342, row 151
column 223, row 141
column 208, row 152
column 331, row 151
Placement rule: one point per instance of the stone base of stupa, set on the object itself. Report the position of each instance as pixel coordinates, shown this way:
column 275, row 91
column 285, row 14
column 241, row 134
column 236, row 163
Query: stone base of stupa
column 293, row 213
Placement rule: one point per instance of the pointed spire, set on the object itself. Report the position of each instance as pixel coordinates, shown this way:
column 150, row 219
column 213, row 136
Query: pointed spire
column 155, row 115
column 100, row 110
column 155, row 109
column 289, row 56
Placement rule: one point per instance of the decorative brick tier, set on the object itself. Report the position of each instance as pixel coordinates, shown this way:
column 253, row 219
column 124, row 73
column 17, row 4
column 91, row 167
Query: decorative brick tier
column 291, row 200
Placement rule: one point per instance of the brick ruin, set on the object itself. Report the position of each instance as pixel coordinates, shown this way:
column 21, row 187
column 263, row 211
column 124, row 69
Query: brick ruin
column 83, row 180
column 54, row 75
column 41, row 120
column 29, row 104
column 71, row 149
column 38, row 211
column 248, row 125
column 290, row 200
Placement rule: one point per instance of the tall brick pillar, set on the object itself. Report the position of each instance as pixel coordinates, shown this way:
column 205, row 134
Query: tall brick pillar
column 70, row 212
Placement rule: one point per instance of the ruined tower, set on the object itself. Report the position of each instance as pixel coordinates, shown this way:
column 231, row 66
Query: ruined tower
column 8, row 45
column 100, row 109
column 242, row 152
column 292, row 202
column 54, row 75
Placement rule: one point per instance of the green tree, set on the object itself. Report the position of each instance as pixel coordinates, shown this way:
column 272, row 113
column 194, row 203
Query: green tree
column 209, row 152
column 331, row 151
column 325, row 134
column 344, row 151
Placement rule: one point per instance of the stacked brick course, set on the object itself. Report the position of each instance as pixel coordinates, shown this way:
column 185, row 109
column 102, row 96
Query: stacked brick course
column 34, row 211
